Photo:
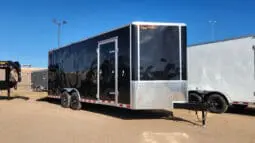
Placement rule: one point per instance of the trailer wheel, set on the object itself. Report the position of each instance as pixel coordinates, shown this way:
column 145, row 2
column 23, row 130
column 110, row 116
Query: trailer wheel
column 65, row 99
column 75, row 102
column 194, row 97
column 217, row 103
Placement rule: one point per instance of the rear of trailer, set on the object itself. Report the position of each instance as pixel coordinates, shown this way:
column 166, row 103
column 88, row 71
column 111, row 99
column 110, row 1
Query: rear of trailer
column 139, row 66
column 39, row 80
column 224, row 72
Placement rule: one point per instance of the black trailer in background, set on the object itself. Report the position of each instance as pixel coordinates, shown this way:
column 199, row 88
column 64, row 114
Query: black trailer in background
column 39, row 80
column 139, row 66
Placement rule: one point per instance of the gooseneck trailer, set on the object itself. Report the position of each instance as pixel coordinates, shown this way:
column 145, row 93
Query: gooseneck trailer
column 224, row 72
column 139, row 66
column 10, row 75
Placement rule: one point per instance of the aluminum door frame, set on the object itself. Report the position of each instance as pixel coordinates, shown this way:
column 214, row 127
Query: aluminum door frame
column 103, row 42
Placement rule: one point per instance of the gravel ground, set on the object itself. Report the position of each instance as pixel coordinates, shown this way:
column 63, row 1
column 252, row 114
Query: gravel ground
column 29, row 117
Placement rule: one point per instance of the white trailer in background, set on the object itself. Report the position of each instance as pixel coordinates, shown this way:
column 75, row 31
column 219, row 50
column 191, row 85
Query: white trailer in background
column 224, row 72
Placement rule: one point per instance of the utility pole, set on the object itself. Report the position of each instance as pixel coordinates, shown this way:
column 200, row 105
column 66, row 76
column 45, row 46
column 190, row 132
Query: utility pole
column 59, row 24
column 213, row 22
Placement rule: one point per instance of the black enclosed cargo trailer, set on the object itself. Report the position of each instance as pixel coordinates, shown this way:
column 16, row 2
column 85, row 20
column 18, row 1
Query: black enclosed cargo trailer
column 39, row 80
column 140, row 66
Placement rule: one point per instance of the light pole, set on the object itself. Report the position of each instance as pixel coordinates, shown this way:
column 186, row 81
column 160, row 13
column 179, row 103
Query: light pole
column 213, row 22
column 59, row 24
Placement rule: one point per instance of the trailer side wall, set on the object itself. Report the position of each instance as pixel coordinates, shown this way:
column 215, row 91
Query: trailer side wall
column 226, row 67
column 75, row 66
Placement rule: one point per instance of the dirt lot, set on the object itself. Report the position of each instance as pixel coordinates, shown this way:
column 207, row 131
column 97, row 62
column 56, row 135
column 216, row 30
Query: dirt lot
column 29, row 117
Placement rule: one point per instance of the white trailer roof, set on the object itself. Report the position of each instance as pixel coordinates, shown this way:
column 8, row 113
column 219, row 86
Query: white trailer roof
column 228, row 39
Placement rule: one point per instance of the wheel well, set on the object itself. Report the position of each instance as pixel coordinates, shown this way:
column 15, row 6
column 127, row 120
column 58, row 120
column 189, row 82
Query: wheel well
column 211, row 93
column 196, row 92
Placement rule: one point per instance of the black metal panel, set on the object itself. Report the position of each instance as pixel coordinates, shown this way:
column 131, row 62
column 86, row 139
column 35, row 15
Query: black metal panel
column 39, row 80
column 75, row 66
column 134, row 52
column 159, row 53
column 124, row 65
column 184, row 52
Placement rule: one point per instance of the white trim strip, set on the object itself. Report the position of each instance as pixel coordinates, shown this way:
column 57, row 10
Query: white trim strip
column 161, row 81
column 180, row 51
column 138, row 52
column 253, row 48
column 98, row 71
column 158, row 23
column 109, row 40
column 116, row 71
column 56, row 97
column 179, row 102
column 130, row 65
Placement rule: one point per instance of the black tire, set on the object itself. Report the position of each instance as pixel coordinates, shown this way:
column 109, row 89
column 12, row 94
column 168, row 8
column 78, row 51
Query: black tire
column 217, row 104
column 75, row 102
column 194, row 97
column 65, row 99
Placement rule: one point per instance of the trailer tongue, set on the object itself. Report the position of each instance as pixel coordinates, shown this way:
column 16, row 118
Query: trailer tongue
column 10, row 75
